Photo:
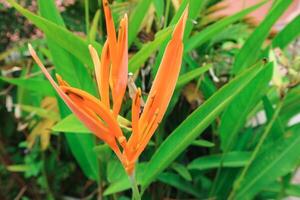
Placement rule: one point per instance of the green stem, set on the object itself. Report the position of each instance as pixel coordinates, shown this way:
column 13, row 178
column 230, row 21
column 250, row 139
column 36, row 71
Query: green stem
column 167, row 13
column 135, row 190
column 87, row 18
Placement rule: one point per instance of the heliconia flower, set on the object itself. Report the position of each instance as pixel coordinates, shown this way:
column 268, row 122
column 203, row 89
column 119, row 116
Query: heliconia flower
column 111, row 72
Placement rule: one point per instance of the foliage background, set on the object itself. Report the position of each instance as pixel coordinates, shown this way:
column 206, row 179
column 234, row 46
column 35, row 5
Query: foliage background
column 230, row 130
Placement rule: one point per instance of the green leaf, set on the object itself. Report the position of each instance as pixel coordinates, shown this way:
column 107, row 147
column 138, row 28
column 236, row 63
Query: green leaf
column 122, row 182
column 235, row 116
column 288, row 34
column 67, row 40
column 196, row 123
column 119, row 186
column 231, row 159
column 136, row 19
column 94, row 26
column 115, row 171
column 291, row 190
column 182, row 171
column 195, row 7
column 66, row 64
column 275, row 161
column 179, row 183
column 164, row 43
column 82, row 147
column 70, row 124
column 255, row 41
column 37, row 85
column 142, row 55
column 291, row 105
column 277, row 129
column 208, row 33
column 75, row 73
column 203, row 143
column 160, row 7
column 189, row 76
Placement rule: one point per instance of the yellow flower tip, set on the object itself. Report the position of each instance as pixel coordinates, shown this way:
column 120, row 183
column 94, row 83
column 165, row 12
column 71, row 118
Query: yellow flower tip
column 95, row 58
column 61, row 81
column 122, row 140
column 90, row 47
column 92, row 50
column 32, row 52
column 126, row 16
column 36, row 58
column 139, row 91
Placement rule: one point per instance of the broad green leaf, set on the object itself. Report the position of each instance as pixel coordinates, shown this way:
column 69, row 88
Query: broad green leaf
column 123, row 183
column 255, row 41
column 119, row 186
column 75, row 73
column 37, row 85
column 70, row 124
column 115, row 171
column 235, row 116
column 203, row 36
column 66, row 64
column 179, row 183
column 231, row 160
column 288, row 34
column 189, row 76
column 136, row 19
column 275, row 161
column 67, row 40
column 196, row 123
column 143, row 54
column 182, row 171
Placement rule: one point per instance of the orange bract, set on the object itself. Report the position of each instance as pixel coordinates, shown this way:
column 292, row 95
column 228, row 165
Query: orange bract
column 111, row 73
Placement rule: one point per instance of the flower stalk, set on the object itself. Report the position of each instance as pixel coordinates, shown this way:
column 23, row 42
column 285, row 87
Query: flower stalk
column 134, row 187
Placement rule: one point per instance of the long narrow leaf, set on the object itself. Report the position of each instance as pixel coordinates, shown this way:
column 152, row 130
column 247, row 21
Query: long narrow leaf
column 252, row 48
column 208, row 33
column 195, row 124
column 136, row 18
column 276, row 161
column 73, row 71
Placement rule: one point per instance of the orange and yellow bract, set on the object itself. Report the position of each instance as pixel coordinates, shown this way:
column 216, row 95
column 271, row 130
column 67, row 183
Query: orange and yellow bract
column 111, row 72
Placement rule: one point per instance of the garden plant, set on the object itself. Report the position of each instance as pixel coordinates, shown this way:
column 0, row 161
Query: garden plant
column 149, row 99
